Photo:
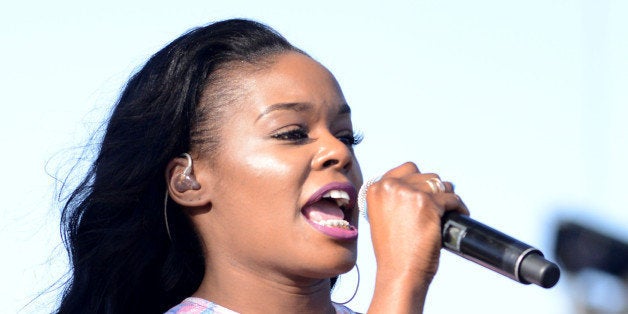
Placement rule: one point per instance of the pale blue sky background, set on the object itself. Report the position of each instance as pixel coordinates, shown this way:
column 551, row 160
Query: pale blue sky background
column 521, row 104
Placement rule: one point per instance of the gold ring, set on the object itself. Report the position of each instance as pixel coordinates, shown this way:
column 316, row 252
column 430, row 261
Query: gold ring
column 436, row 185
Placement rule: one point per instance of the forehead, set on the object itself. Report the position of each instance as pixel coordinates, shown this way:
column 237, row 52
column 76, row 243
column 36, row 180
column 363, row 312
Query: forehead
column 290, row 78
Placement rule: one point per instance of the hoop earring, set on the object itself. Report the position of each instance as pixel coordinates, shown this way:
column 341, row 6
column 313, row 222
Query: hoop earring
column 355, row 292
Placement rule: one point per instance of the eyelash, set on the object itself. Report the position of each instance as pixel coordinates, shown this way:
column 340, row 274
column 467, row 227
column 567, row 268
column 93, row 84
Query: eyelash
column 300, row 136
column 355, row 138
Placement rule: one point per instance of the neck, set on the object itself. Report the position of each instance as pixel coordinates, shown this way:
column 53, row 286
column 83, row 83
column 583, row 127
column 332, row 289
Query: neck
column 248, row 291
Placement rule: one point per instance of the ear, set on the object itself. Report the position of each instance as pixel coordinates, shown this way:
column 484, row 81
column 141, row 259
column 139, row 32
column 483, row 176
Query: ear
column 183, row 187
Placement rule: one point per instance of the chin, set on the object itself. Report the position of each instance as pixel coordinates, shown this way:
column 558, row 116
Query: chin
column 341, row 264
column 345, row 268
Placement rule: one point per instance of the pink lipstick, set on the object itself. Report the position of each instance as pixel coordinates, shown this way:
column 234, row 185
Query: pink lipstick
column 329, row 210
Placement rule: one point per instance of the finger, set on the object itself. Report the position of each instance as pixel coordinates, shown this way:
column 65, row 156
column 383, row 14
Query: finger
column 463, row 209
column 449, row 187
column 451, row 202
column 421, row 181
column 432, row 185
column 436, row 185
column 403, row 170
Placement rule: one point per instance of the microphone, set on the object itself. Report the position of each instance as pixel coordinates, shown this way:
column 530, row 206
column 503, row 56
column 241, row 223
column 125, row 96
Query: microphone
column 490, row 248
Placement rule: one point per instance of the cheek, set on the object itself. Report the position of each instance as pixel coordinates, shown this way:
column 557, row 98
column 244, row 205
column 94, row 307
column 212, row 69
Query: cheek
column 266, row 176
column 259, row 188
column 263, row 165
column 257, row 158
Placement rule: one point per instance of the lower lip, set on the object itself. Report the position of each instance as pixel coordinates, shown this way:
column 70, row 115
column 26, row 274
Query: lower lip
column 336, row 233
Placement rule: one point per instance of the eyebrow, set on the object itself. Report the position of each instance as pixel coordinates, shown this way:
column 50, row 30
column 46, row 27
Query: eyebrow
column 299, row 107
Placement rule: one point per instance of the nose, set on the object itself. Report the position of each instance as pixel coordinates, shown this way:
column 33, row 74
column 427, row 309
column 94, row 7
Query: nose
column 333, row 153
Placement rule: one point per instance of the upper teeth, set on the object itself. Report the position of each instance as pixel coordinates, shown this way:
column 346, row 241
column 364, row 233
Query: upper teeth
column 341, row 197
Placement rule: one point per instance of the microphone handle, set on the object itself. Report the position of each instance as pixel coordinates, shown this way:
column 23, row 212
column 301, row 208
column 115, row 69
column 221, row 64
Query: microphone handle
column 497, row 251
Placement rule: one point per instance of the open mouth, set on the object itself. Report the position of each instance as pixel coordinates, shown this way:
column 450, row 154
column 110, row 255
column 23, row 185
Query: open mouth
column 330, row 210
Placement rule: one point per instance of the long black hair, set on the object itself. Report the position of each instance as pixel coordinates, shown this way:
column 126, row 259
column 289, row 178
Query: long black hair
column 113, row 226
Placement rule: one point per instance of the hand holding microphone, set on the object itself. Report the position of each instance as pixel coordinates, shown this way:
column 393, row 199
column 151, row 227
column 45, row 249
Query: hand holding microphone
column 405, row 219
column 419, row 213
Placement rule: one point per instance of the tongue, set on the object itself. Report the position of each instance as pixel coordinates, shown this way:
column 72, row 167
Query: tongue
column 323, row 210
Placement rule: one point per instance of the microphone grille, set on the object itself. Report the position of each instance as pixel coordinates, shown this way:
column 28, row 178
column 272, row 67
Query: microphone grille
column 362, row 196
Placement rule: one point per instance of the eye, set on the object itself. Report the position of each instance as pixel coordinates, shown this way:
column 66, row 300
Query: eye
column 298, row 135
column 351, row 139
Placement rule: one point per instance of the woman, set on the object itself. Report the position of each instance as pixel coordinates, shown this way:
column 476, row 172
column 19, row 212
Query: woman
column 256, row 143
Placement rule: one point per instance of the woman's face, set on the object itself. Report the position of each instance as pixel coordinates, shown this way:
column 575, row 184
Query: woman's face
column 283, row 183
